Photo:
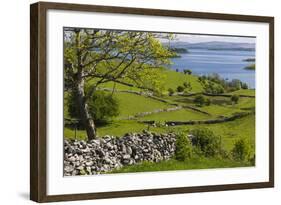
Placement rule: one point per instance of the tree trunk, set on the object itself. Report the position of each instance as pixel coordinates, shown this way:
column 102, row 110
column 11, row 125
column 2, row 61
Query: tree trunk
column 84, row 111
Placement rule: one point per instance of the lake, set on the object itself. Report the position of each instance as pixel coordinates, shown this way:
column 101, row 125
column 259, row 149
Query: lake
column 228, row 64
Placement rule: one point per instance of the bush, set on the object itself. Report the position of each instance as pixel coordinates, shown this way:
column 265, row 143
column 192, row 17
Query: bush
column 171, row 91
column 206, row 142
column 241, row 150
column 187, row 71
column 213, row 88
column 183, row 148
column 102, row 106
column 244, row 86
column 207, row 101
column 180, row 88
column 200, row 100
column 187, row 85
column 234, row 98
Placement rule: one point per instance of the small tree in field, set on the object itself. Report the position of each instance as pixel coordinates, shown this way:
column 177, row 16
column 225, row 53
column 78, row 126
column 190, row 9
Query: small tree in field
column 199, row 100
column 102, row 106
column 180, row 88
column 206, row 142
column 241, row 150
column 171, row 91
column 244, row 86
column 187, row 71
column 234, row 98
column 183, row 148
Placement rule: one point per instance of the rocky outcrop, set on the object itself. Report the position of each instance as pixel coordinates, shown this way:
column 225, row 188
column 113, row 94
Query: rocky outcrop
column 108, row 153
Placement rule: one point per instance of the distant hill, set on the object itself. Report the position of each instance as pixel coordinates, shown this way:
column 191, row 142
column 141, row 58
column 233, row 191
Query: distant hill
column 215, row 45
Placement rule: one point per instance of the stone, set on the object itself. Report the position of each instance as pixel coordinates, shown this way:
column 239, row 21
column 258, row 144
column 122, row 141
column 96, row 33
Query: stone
column 129, row 150
column 107, row 160
column 89, row 163
column 80, row 168
column 95, row 142
column 68, row 168
column 104, row 154
column 72, row 159
column 126, row 156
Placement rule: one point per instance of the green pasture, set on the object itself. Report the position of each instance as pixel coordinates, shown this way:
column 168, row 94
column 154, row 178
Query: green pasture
column 193, row 163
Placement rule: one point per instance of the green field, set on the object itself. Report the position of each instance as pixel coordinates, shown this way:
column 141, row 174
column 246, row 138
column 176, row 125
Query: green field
column 131, row 104
column 178, row 115
column 230, row 131
column 175, row 79
column 170, row 165
column 249, row 92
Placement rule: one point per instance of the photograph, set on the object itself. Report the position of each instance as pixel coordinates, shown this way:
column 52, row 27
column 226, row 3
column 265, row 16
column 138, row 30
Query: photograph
column 142, row 101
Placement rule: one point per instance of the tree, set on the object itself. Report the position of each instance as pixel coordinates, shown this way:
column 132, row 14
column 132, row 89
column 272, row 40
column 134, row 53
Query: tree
column 183, row 147
column 187, row 71
column 241, row 150
column 206, row 142
column 235, row 84
column 104, row 56
column 102, row 106
column 234, row 98
column 207, row 101
column 180, row 88
column 187, row 86
column 171, row 91
column 199, row 100
column 244, row 86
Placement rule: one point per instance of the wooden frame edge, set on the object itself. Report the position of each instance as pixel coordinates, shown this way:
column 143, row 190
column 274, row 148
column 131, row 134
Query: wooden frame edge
column 37, row 102
column 38, row 93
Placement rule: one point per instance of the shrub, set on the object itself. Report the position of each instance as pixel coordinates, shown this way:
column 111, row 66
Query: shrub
column 241, row 150
column 207, row 101
column 200, row 100
column 180, row 88
column 187, row 71
column 244, row 86
column 220, row 84
column 171, row 91
column 187, row 85
column 102, row 106
column 213, row 88
column 234, row 98
column 183, row 148
column 206, row 142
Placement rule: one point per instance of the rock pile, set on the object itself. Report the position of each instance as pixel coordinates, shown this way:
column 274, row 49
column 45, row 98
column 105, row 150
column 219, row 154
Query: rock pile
column 108, row 153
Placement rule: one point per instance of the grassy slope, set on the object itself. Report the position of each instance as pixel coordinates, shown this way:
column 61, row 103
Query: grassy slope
column 178, row 115
column 250, row 92
column 196, row 163
column 174, row 79
column 130, row 104
column 229, row 109
column 229, row 131
column 115, row 128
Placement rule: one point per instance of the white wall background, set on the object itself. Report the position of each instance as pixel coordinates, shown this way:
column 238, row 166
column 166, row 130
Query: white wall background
column 14, row 101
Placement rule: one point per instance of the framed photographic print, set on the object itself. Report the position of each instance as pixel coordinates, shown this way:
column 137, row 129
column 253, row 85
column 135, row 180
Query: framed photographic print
column 135, row 102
